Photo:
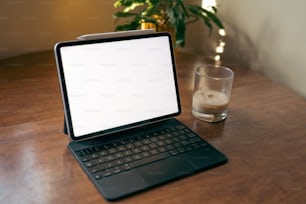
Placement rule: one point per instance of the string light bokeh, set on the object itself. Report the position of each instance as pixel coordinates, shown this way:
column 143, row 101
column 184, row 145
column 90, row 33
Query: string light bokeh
column 219, row 50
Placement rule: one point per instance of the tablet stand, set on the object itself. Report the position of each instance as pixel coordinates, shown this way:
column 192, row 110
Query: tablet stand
column 65, row 127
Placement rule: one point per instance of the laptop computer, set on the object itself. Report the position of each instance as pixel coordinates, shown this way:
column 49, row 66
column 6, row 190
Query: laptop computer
column 120, row 98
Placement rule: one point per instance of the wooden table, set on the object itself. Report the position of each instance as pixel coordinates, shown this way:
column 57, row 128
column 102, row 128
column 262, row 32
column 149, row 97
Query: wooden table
column 264, row 138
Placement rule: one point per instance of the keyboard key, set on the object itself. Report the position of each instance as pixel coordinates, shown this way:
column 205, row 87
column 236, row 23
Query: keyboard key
column 127, row 152
column 96, row 149
column 121, row 148
column 138, row 143
column 168, row 141
column 98, row 176
column 173, row 152
column 144, row 148
column 136, row 156
column 150, row 159
column 98, row 168
column 191, row 135
column 103, row 153
column 178, row 144
column 154, row 151
column 181, row 150
column 80, row 153
column 110, row 164
column 153, row 145
column 90, row 164
column 115, row 170
column 145, row 154
column 109, row 158
column 94, row 156
column 129, row 146
column 106, row 173
column 161, row 137
column 180, row 127
column 128, row 159
column 87, row 151
column 112, row 150
column 183, row 137
column 86, row 158
column 184, row 142
column 196, row 139
column 118, row 155
column 153, row 139
column 119, row 162
column 170, row 147
column 146, row 141
column 100, row 160
column 136, row 150
column 161, row 143
column 162, row 149
column 125, row 167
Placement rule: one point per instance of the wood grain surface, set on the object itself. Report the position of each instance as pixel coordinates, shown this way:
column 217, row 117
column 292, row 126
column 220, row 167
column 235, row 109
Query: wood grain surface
column 264, row 138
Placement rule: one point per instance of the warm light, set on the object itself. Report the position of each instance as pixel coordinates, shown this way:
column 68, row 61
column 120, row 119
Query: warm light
column 217, row 58
column 219, row 49
column 222, row 32
column 221, row 43
column 207, row 4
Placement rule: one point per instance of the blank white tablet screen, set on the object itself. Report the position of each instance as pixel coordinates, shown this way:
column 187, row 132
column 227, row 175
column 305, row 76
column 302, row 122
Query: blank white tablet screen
column 113, row 84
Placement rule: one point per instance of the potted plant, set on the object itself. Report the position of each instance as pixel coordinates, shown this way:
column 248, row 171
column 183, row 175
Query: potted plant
column 164, row 15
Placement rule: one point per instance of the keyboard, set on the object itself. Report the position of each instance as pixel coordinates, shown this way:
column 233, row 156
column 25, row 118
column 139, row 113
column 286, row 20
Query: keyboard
column 104, row 160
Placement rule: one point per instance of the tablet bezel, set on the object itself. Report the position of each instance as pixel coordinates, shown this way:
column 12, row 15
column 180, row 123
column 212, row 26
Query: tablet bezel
column 63, row 87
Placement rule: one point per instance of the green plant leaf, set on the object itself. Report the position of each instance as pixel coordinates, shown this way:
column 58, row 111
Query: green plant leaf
column 181, row 3
column 124, row 3
column 180, row 33
column 133, row 6
column 174, row 12
column 127, row 3
column 215, row 9
column 153, row 1
column 149, row 20
column 212, row 17
column 123, row 14
column 130, row 26
column 207, row 22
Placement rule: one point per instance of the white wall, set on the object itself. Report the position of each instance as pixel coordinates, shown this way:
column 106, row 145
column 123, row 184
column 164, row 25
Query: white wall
column 268, row 36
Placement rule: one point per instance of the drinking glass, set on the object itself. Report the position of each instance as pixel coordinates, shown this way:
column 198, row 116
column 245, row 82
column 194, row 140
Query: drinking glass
column 212, row 90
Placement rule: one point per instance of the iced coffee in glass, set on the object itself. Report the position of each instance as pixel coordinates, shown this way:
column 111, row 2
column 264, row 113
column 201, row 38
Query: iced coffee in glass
column 212, row 90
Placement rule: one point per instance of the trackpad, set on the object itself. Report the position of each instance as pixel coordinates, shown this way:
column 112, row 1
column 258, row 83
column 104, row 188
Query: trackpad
column 123, row 184
column 165, row 170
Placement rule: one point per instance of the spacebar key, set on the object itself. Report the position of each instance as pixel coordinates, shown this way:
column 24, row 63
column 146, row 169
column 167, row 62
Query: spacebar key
column 150, row 159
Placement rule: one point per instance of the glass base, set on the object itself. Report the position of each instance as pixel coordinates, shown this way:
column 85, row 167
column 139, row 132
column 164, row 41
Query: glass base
column 212, row 118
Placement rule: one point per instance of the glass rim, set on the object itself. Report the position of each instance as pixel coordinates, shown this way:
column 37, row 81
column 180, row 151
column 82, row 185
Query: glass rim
column 212, row 66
